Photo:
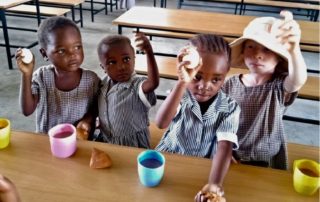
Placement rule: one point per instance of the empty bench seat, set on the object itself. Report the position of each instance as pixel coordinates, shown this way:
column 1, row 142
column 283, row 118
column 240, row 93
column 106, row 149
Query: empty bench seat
column 44, row 10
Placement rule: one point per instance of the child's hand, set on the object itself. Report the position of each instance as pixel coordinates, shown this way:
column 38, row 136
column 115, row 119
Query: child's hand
column 289, row 32
column 210, row 193
column 26, row 69
column 142, row 43
column 8, row 192
column 186, row 74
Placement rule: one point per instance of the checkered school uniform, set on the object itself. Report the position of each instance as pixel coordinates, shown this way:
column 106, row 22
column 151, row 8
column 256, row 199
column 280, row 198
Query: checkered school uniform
column 56, row 106
column 123, row 112
column 261, row 132
column 191, row 133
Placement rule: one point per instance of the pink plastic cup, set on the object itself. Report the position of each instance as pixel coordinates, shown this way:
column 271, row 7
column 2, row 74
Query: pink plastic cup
column 63, row 140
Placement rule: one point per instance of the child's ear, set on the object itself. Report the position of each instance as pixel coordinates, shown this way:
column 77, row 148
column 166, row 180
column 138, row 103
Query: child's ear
column 43, row 53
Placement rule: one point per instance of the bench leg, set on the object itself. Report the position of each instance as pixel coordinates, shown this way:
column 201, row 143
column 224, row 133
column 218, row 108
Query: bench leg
column 6, row 36
column 81, row 17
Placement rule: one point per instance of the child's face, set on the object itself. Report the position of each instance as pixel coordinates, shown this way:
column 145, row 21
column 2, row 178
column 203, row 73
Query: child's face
column 64, row 49
column 118, row 61
column 210, row 76
column 258, row 58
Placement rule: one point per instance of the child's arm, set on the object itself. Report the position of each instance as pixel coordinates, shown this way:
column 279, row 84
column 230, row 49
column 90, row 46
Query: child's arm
column 28, row 101
column 152, row 81
column 297, row 68
column 219, row 168
column 168, row 109
column 8, row 192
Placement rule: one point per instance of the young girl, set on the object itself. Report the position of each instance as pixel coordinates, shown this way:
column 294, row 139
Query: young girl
column 125, row 98
column 62, row 92
column 202, row 121
column 270, row 49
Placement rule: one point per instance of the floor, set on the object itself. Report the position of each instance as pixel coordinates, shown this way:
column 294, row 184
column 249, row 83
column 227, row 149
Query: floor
column 92, row 32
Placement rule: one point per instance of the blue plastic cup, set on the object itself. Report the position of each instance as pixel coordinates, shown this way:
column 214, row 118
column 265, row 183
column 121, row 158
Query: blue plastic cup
column 150, row 167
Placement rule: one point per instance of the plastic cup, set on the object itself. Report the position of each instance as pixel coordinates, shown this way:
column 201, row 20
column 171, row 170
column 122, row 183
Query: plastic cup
column 306, row 176
column 150, row 167
column 63, row 140
column 5, row 131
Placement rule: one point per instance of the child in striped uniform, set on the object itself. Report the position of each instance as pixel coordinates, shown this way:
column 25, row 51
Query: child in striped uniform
column 61, row 92
column 125, row 98
column 201, row 120
column 270, row 49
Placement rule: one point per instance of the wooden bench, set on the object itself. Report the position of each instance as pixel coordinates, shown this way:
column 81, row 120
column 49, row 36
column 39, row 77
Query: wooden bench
column 44, row 10
column 270, row 3
column 285, row 4
column 71, row 4
column 295, row 151
column 177, row 35
column 167, row 69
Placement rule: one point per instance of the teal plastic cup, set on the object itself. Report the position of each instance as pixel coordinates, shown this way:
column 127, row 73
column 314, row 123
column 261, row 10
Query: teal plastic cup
column 150, row 167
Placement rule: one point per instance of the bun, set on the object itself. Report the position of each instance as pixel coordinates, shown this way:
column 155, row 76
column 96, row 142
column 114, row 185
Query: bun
column 82, row 134
column 27, row 56
column 213, row 197
column 100, row 159
column 193, row 57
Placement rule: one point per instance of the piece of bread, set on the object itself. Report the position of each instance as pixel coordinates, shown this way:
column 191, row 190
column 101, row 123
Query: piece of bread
column 213, row 197
column 82, row 134
column 100, row 159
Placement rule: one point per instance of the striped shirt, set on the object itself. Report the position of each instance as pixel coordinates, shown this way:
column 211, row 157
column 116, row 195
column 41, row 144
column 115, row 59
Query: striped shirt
column 261, row 132
column 56, row 106
column 123, row 112
column 194, row 134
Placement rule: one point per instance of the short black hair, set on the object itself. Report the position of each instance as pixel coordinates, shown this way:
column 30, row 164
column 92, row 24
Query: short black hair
column 51, row 24
column 212, row 44
column 112, row 40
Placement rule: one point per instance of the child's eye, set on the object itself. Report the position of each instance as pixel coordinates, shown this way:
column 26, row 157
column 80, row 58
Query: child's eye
column 79, row 47
column 111, row 62
column 215, row 80
column 61, row 51
column 126, row 59
column 197, row 77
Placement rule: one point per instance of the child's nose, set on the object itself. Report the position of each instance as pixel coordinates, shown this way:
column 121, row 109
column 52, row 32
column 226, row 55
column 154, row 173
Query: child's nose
column 258, row 54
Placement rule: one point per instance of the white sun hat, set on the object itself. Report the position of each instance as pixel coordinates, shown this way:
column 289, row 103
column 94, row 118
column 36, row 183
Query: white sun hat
column 262, row 30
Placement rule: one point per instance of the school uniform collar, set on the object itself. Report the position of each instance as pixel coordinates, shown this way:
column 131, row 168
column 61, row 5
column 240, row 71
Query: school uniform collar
column 220, row 104
column 108, row 83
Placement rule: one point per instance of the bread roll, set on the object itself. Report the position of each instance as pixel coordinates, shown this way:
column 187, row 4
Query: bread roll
column 100, row 159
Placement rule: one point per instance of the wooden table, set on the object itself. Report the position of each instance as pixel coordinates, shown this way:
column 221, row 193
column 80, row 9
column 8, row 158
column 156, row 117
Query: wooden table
column 188, row 21
column 4, row 4
column 41, row 177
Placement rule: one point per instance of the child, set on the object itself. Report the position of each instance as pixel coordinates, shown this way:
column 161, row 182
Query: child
column 125, row 98
column 61, row 92
column 8, row 191
column 202, row 121
column 270, row 49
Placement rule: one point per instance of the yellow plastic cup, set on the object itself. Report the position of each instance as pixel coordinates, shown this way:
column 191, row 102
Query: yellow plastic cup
column 4, row 132
column 306, row 176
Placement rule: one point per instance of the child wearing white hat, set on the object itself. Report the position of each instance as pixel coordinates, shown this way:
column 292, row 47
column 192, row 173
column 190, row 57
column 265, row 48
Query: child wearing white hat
column 270, row 49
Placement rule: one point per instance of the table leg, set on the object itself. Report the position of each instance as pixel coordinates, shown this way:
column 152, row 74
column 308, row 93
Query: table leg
column 119, row 29
column 6, row 36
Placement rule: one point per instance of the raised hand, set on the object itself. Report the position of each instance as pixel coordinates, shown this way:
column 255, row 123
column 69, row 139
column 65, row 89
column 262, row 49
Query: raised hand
column 290, row 33
column 186, row 74
column 26, row 69
column 142, row 43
